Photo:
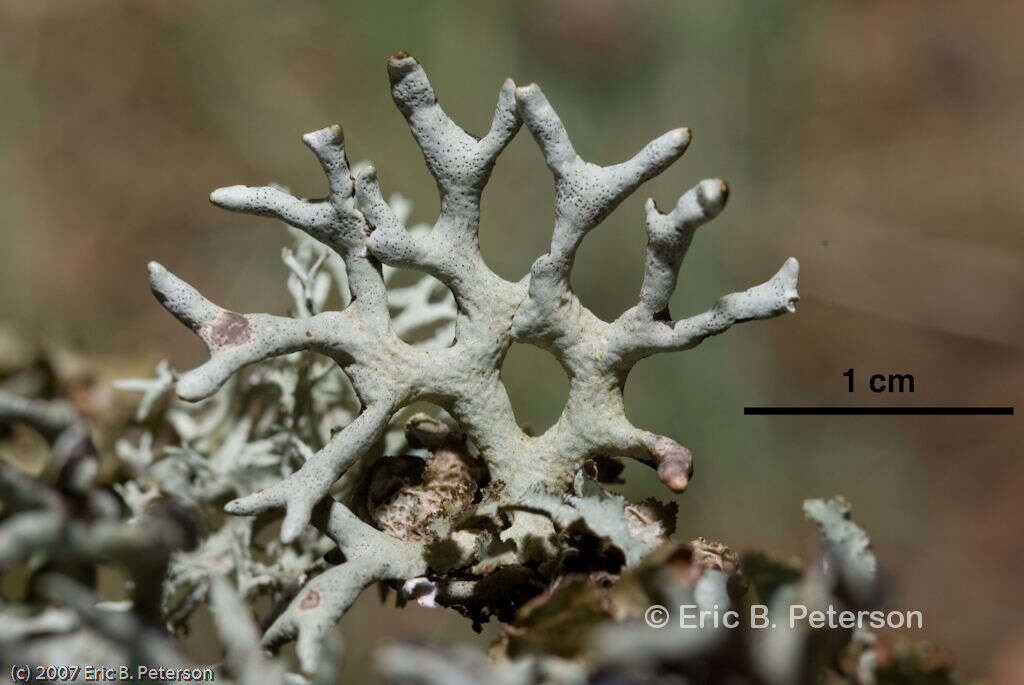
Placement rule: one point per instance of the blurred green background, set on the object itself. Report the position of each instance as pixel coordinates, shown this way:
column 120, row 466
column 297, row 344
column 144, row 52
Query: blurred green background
column 878, row 142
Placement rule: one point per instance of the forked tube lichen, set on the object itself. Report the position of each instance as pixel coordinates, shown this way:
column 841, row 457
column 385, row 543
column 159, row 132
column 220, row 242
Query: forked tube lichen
column 463, row 378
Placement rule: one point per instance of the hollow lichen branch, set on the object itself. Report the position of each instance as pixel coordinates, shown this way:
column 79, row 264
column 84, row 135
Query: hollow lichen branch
column 463, row 378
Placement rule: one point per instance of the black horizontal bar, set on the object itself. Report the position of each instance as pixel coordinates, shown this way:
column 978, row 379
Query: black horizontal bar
column 888, row 411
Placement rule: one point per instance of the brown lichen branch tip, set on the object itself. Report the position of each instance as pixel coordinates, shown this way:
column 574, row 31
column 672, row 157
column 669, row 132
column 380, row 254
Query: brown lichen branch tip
column 675, row 463
column 364, row 231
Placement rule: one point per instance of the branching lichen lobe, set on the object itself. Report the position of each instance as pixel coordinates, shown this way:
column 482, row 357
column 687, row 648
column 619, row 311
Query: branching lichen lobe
column 463, row 378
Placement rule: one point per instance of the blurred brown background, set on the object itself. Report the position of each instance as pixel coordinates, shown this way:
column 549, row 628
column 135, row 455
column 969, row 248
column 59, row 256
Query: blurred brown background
column 878, row 142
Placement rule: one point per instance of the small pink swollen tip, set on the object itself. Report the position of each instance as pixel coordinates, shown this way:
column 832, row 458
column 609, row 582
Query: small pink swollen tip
column 674, row 476
column 675, row 464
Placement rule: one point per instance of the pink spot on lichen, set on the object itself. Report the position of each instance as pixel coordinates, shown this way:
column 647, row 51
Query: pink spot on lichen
column 310, row 601
column 230, row 328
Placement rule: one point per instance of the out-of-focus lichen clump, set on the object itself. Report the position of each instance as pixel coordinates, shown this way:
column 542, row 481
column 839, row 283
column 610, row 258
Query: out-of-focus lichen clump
column 595, row 628
column 303, row 429
column 60, row 528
